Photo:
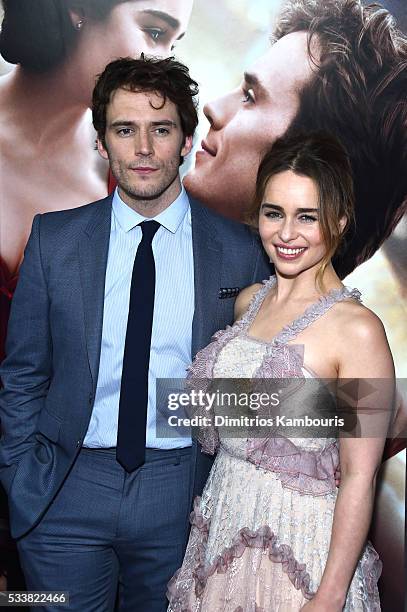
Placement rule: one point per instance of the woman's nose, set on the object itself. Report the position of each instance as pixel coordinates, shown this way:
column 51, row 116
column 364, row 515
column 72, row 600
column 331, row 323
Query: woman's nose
column 287, row 231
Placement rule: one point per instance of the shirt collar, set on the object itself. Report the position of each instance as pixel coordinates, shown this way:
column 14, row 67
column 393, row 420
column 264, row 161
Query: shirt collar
column 170, row 218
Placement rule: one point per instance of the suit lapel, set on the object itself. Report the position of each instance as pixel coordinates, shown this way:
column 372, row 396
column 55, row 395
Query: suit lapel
column 207, row 250
column 93, row 250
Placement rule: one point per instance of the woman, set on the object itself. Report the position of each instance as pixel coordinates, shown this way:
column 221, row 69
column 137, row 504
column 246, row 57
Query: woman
column 47, row 141
column 271, row 532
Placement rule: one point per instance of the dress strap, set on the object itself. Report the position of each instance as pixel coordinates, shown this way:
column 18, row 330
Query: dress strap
column 256, row 302
column 314, row 312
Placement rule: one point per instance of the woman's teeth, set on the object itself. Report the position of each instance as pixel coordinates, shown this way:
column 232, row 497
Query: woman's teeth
column 290, row 251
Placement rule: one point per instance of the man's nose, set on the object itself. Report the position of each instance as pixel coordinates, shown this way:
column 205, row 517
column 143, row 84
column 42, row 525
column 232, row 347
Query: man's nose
column 219, row 112
column 144, row 143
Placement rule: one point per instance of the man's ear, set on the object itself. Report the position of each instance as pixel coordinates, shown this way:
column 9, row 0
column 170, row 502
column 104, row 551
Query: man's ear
column 102, row 149
column 187, row 146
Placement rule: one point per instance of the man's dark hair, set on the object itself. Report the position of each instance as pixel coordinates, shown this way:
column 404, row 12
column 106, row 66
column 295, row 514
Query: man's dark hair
column 358, row 93
column 166, row 77
column 320, row 157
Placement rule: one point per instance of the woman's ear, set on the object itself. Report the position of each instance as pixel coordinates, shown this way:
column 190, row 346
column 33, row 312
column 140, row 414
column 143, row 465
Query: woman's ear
column 343, row 222
column 77, row 16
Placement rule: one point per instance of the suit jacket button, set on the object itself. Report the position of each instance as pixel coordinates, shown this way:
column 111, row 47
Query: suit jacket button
column 78, row 443
column 90, row 399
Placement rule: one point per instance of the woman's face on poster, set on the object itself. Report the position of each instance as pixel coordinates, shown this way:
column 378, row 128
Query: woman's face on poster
column 245, row 122
column 132, row 27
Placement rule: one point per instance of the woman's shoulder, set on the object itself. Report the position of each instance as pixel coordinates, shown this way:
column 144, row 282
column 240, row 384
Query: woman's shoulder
column 357, row 320
column 360, row 342
column 244, row 299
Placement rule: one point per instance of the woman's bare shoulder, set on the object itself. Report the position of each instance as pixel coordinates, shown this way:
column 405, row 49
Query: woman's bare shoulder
column 244, row 298
column 361, row 342
column 357, row 322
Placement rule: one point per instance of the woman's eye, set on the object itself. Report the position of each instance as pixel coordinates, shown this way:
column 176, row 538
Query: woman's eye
column 248, row 95
column 272, row 214
column 308, row 218
column 155, row 33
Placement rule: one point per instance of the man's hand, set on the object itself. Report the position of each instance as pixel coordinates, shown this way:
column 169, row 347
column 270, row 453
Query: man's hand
column 315, row 606
column 337, row 475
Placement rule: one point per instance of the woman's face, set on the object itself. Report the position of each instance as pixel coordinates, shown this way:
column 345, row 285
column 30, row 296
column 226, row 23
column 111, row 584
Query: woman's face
column 289, row 223
column 132, row 27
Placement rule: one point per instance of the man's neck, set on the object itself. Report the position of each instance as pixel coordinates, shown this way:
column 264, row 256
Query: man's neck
column 152, row 207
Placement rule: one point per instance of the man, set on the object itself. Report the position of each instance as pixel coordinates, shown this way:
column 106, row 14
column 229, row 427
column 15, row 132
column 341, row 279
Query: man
column 112, row 296
column 351, row 81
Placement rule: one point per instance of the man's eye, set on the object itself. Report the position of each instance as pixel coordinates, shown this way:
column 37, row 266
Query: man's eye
column 162, row 131
column 124, row 131
column 248, row 95
column 155, row 33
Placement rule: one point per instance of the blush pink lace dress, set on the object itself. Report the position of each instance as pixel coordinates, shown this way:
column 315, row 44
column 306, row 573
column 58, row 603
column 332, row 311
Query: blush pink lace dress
column 261, row 530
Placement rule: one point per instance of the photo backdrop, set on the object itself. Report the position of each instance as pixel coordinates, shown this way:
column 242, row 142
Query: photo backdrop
column 223, row 39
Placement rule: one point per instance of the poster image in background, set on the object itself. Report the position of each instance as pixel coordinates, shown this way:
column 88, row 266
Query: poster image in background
column 224, row 38
column 348, row 76
column 47, row 142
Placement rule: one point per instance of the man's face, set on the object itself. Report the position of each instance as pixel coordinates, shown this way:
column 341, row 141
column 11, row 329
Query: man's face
column 143, row 143
column 246, row 122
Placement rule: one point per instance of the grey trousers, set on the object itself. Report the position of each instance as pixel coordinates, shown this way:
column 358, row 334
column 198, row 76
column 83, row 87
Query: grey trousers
column 107, row 529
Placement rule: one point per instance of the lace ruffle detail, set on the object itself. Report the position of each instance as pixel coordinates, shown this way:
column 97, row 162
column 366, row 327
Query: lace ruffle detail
column 307, row 471
column 281, row 360
column 371, row 568
column 314, row 312
column 200, row 371
column 263, row 538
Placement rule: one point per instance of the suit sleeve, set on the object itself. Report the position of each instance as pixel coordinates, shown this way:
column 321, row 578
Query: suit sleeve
column 26, row 370
column 262, row 268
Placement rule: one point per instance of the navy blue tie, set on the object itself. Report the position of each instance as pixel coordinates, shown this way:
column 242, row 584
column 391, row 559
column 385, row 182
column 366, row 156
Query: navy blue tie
column 131, row 433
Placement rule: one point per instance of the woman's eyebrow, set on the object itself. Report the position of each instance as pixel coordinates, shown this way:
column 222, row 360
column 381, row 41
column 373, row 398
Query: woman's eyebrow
column 169, row 19
column 280, row 208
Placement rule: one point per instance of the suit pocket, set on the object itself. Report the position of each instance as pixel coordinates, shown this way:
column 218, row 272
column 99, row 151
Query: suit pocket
column 49, row 426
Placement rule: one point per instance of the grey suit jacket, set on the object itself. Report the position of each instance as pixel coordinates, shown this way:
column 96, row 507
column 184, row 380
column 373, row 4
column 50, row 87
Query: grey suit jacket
column 54, row 339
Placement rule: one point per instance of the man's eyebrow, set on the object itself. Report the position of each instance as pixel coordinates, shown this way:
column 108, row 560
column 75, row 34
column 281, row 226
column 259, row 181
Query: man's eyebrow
column 280, row 208
column 253, row 81
column 164, row 122
column 121, row 122
column 127, row 123
column 174, row 23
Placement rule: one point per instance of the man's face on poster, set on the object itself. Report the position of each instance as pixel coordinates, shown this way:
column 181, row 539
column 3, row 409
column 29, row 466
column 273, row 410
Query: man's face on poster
column 246, row 122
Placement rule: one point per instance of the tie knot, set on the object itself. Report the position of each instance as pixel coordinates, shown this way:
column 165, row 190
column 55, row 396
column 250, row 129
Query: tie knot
column 149, row 229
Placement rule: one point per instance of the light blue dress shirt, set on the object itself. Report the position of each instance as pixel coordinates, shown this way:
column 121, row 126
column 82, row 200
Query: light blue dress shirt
column 172, row 322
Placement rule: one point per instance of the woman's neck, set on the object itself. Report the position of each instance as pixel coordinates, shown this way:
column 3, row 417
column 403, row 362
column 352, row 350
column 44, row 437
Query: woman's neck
column 42, row 106
column 304, row 286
